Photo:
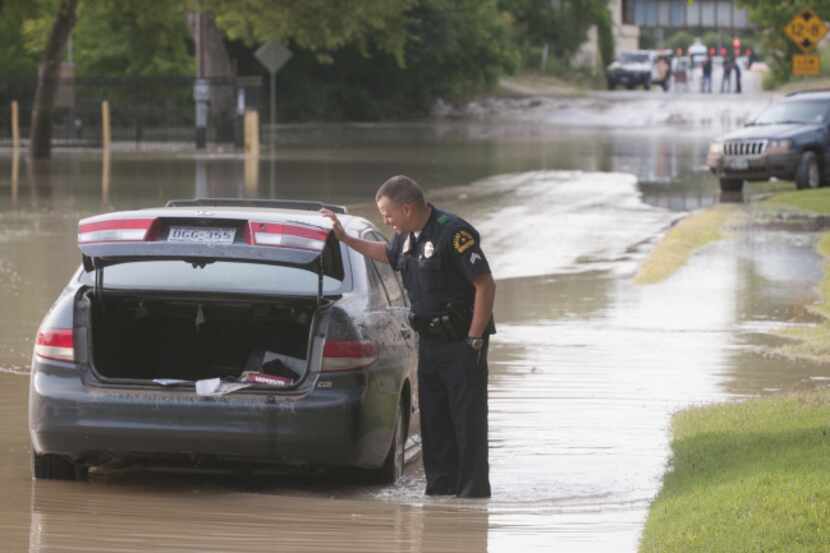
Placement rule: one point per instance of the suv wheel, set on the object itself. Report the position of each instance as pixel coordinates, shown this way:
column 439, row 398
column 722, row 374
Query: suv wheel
column 808, row 175
column 56, row 467
column 731, row 185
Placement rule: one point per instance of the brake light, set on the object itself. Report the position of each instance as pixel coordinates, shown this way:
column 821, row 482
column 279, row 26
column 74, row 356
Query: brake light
column 346, row 355
column 288, row 236
column 116, row 230
column 55, row 344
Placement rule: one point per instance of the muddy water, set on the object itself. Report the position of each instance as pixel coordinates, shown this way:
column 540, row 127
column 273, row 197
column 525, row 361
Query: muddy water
column 585, row 371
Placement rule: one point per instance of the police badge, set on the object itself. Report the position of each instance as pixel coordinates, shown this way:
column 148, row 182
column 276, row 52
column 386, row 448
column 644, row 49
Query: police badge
column 429, row 249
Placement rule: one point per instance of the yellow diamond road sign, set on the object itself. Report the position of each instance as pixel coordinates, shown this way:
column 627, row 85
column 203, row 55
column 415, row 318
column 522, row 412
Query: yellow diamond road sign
column 806, row 29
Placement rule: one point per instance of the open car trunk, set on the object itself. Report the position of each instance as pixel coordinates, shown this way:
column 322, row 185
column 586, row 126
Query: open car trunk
column 142, row 337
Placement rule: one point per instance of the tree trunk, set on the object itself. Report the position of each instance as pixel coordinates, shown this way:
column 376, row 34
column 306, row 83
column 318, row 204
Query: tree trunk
column 40, row 138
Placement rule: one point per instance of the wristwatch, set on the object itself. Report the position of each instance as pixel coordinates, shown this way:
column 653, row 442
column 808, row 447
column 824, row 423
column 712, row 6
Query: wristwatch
column 475, row 342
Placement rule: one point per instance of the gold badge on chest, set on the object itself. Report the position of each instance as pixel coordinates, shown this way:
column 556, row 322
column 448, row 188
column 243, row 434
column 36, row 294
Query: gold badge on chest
column 429, row 249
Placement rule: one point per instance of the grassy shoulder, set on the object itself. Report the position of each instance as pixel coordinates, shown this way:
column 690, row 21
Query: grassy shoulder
column 682, row 241
column 810, row 201
column 534, row 83
column 746, row 477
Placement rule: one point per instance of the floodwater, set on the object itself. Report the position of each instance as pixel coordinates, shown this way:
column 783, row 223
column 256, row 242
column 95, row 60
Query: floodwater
column 586, row 368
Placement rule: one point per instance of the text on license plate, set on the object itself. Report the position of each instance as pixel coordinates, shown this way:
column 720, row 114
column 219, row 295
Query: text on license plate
column 202, row 235
column 738, row 164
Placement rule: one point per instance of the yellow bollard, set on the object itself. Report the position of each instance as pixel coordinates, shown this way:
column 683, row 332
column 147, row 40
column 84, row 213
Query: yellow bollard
column 15, row 126
column 252, row 133
column 106, row 136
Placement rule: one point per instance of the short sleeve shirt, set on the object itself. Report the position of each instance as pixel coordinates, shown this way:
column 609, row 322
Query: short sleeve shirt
column 439, row 266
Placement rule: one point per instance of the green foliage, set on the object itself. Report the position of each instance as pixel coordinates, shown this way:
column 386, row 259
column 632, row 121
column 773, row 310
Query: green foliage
column 124, row 38
column 562, row 24
column 680, row 39
column 455, row 48
column 15, row 57
column 605, row 32
column 771, row 16
column 319, row 26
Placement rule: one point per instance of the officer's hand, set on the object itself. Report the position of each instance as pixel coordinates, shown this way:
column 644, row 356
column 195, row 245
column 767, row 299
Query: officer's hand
column 337, row 227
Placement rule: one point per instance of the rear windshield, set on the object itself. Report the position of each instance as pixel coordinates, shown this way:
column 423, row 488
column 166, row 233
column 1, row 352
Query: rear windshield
column 629, row 57
column 219, row 276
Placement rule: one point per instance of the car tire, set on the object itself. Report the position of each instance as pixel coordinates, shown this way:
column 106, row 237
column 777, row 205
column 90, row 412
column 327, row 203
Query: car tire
column 393, row 466
column 647, row 85
column 731, row 185
column 808, row 174
column 56, row 467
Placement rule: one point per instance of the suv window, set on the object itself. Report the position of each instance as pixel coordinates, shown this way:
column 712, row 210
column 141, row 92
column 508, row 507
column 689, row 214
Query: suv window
column 632, row 57
column 219, row 276
column 388, row 276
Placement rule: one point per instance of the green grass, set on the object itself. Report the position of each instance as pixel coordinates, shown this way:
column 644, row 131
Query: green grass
column 815, row 201
column 746, row 477
column 682, row 241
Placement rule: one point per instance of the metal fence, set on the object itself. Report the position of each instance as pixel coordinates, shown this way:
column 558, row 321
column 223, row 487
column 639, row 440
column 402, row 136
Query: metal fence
column 142, row 110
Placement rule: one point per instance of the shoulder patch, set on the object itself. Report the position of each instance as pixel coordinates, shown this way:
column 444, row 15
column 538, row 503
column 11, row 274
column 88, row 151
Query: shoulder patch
column 443, row 218
column 463, row 241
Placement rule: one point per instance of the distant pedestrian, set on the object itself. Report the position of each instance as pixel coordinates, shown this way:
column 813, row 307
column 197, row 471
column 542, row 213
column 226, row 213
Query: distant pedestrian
column 706, row 82
column 736, row 67
column 726, row 80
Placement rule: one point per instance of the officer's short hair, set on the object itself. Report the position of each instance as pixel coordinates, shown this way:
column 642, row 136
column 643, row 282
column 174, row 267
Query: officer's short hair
column 401, row 190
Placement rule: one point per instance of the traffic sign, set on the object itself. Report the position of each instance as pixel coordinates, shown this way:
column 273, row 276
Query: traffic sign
column 806, row 29
column 806, row 65
column 273, row 55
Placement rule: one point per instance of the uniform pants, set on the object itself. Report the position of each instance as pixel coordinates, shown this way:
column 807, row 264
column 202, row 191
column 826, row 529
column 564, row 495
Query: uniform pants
column 452, row 392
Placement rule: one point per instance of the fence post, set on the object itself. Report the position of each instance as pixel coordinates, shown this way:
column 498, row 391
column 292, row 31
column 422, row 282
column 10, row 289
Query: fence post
column 106, row 135
column 15, row 126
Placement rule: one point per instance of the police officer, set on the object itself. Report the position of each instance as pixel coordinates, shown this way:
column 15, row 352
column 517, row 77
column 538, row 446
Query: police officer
column 451, row 292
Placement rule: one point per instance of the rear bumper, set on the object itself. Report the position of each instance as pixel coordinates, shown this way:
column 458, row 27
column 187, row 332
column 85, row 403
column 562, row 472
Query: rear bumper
column 90, row 424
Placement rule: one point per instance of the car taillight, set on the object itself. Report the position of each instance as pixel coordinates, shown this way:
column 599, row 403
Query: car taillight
column 117, row 230
column 346, row 355
column 288, row 236
column 55, row 344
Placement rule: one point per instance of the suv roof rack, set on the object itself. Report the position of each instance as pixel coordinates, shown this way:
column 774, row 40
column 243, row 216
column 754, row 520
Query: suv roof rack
column 242, row 202
column 807, row 91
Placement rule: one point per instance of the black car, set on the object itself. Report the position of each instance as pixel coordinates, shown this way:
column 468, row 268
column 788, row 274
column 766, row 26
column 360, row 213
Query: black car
column 789, row 140
column 210, row 332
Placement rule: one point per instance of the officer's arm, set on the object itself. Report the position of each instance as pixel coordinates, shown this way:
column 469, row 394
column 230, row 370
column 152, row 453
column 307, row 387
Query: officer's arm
column 485, row 294
column 369, row 248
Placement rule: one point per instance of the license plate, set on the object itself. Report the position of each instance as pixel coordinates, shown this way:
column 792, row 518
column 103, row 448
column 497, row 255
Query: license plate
column 737, row 164
column 202, row 235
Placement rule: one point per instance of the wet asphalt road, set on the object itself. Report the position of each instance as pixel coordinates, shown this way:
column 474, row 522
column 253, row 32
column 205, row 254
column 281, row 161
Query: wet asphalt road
column 585, row 371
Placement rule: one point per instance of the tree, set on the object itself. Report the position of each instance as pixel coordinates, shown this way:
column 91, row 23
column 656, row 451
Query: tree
column 771, row 16
column 40, row 138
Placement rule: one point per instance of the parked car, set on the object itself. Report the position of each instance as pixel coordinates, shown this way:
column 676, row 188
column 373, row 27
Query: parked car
column 789, row 140
column 216, row 331
column 631, row 69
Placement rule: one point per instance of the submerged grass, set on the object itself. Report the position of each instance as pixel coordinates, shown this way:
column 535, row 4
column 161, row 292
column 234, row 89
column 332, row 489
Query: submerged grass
column 682, row 240
column 746, row 477
column 813, row 342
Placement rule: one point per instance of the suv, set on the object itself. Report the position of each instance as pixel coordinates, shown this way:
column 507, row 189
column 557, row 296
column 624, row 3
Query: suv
column 631, row 69
column 789, row 140
column 210, row 331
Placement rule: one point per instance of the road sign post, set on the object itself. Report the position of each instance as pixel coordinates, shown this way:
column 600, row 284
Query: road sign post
column 273, row 55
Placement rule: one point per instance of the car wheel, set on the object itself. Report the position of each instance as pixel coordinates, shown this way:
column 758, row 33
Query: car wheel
column 56, row 467
column 731, row 185
column 393, row 466
column 647, row 85
column 808, row 175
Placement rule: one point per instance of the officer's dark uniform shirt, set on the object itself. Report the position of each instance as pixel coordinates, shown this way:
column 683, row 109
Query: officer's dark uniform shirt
column 439, row 266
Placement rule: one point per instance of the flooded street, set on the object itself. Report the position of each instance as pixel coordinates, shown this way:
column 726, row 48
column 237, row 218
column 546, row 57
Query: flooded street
column 585, row 371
